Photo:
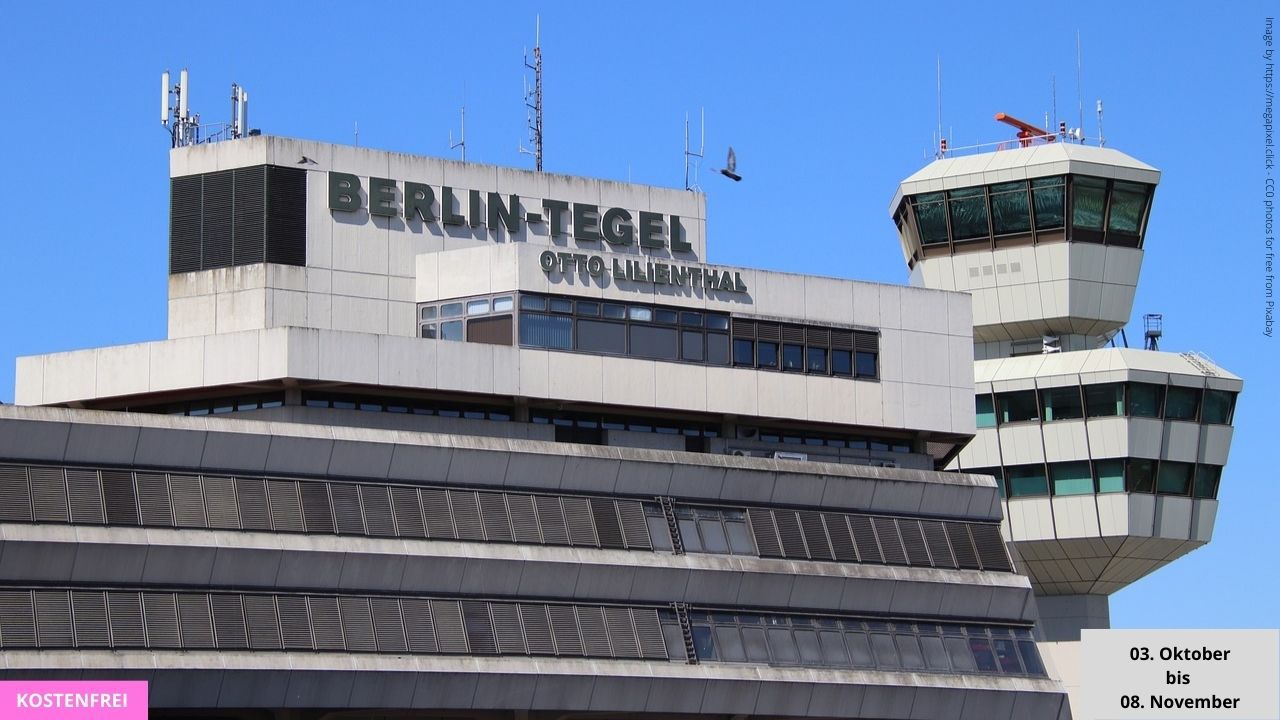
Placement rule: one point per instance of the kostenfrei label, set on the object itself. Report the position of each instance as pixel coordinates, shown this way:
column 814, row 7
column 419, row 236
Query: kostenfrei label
column 1172, row 674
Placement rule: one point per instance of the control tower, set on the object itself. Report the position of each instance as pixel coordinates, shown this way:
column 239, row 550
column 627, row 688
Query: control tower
column 1109, row 458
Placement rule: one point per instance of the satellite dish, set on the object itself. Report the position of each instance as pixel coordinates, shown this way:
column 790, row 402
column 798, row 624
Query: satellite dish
column 730, row 169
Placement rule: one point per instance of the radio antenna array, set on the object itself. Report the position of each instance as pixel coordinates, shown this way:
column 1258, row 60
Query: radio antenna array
column 533, row 99
column 184, row 126
column 689, row 153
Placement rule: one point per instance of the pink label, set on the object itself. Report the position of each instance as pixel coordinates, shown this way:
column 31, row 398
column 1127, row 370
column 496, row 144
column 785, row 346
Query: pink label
column 73, row 700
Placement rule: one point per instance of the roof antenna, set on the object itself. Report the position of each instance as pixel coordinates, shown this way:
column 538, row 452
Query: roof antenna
column 533, row 99
column 688, row 153
column 462, row 134
column 942, row 141
column 1079, row 82
column 185, row 129
column 357, row 132
column 1102, row 140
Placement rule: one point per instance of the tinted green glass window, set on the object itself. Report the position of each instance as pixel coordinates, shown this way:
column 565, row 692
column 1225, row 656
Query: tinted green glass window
column 931, row 217
column 1140, row 475
column 968, row 208
column 1145, row 399
column 1218, row 407
column 1109, row 475
column 1071, row 478
column 1128, row 201
column 1046, row 195
column 1026, row 480
column 986, row 411
column 1088, row 202
column 1104, row 400
column 1017, row 406
column 1062, row 403
column 1207, row 477
column 1182, row 403
column 1175, row 478
column 1010, row 211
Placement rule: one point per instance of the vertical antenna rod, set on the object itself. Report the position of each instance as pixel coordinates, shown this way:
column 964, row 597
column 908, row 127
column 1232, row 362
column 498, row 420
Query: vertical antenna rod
column 1079, row 81
column 941, row 140
column 1102, row 140
column 535, row 107
column 702, row 148
column 462, row 135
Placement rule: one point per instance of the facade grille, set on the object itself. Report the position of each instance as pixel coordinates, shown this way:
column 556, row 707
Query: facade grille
column 237, row 217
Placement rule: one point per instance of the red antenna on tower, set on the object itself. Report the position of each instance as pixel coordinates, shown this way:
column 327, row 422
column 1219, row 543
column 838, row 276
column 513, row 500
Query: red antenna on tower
column 1027, row 133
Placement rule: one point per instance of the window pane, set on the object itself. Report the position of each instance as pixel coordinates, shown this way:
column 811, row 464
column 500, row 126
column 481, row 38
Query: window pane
column 451, row 330
column 717, row 348
column 533, row 302
column 691, row 345
column 613, row 311
column 1046, row 195
column 1128, row 200
column 1110, row 475
column 980, row 647
column 1061, row 403
column 640, row 314
column 1030, row 657
column 1017, row 406
column 807, row 641
column 885, row 652
column 1104, row 400
column 659, row 535
column 767, row 355
column 502, row 304
column 703, row 647
column 1088, row 200
column 743, row 353
column 968, row 208
column 931, row 219
column 1010, row 212
column 986, row 411
column 587, row 308
column 816, row 360
column 730, row 644
column 658, row 343
column 909, row 650
column 783, row 646
column 1207, row 477
column 793, row 358
column 1007, row 656
column 1071, row 478
column 959, row 654
column 493, row 330
column 689, row 535
column 935, row 656
column 666, row 317
column 1026, row 480
column 429, row 331
column 739, row 539
column 1175, row 478
column 602, row 337
column 1218, row 405
column 546, row 331
column 1140, row 475
column 451, row 309
column 833, row 652
column 429, row 312
column 713, row 539
column 1145, row 400
column 859, row 649
column 718, row 322
column 1182, row 403
column 478, row 307
column 692, row 319
column 756, row 646
column 842, row 362
column 866, row 364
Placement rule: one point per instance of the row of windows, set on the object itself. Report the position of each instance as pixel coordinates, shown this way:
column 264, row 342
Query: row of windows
column 403, row 406
column 484, row 320
column 1135, row 399
column 216, row 406
column 808, row 349
column 828, row 642
column 1113, row 475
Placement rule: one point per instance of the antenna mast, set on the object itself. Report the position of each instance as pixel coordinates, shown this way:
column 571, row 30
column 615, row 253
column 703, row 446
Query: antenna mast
column 702, row 147
column 942, row 140
column 1079, row 81
column 462, row 135
column 533, row 99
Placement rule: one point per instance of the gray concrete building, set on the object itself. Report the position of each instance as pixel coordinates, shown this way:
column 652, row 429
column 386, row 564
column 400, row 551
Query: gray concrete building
column 429, row 439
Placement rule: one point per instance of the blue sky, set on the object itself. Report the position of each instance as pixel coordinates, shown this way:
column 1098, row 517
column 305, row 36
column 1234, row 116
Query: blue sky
column 828, row 106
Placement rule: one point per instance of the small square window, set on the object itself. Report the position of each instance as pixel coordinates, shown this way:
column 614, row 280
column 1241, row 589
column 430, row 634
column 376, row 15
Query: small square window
column 561, row 305
column 502, row 304
column 866, row 364
column 451, row 330
column 614, row 311
column 640, row 314
column 428, row 331
column 478, row 307
column 451, row 309
column 816, row 360
column 533, row 302
column 718, row 322
column 666, row 317
column 428, row 312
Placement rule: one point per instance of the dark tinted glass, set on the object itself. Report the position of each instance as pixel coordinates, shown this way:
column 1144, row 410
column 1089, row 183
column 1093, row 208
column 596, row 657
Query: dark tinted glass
column 691, row 345
column 658, row 343
column 1139, row 475
column 1061, row 403
column 968, row 208
column 1017, row 406
column 842, row 362
column 1218, row 405
column 1026, row 480
column 730, row 644
column 717, row 348
column 931, row 217
column 1128, row 200
column 866, row 364
column 1207, row 477
column 692, row 319
column 613, row 311
column 1088, row 201
column 666, row 317
column 1104, row 400
column 1174, row 478
column 816, row 360
column 718, row 322
column 546, row 331
column 1145, row 400
column 793, row 357
column 743, row 353
column 1010, row 211
column 602, row 337
column 1182, row 403
column 1046, row 194
column 767, row 354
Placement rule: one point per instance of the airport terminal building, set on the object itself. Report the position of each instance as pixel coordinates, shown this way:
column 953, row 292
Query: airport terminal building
column 429, row 439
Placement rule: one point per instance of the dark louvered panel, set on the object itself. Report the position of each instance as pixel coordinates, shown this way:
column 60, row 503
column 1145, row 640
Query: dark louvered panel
column 85, row 490
column 789, row 533
column 841, row 339
column 608, row 527
column 326, row 622
column 769, row 331
column 435, row 508
column 815, row 535
column 935, row 536
column 153, row 500
column 408, row 512
column 388, row 626
column 962, row 546
column 479, row 626
column 890, row 543
column 357, row 624
column 991, row 549
column 595, row 638
column 649, row 633
column 315, row 507
column 251, row 495
column 346, row 509
column 497, row 524
column 792, row 333
column 622, row 632
column 286, row 215
column 220, row 502
column 17, row 619
column 127, row 627
column 842, row 546
column 249, row 217
column 90, row 613
column 188, row 501
column 524, row 518
column 120, row 498
column 564, row 627
column 228, row 621
column 577, row 515
column 765, row 532
column 913, row 540
column 744, row 328
column 466, row 515
column 295, row 623
column 551, row 520
column 161, row 613
column 819, row 336
column 507, row 629
column 866, row 341
column 450, row 635
column 377, row 510
column 286, row 505
column 635, row 531
column 537, row 629
column 49, row 495
column 263, row 624
column 184, row 223
column 216, row 226
column 865, row 538
column 53, row 618
column 194, row 620
column 419, row 630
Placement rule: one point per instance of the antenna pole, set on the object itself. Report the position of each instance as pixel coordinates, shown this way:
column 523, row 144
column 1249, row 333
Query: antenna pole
column 1079, row 81
column 689, row 153
column 1102, row 140
column 940, row 152
column 462, row 137
column 534, row 103
column 357, row 132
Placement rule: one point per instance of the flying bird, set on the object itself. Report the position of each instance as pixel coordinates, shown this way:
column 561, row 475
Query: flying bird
column 731, row 166
column 307, row 161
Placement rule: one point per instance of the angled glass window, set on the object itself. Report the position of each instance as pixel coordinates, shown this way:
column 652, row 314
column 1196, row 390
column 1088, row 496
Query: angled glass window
column 1010, row 210
column 968, row 207
column 931, row 217
column 753, row 638
column 1088, row 202
column 1182, row 403
column 1026, row 481
column 1174, row 478
column 1104, row 400
column 1071, row 478
column 1128, row 201
column 1219, row 405
column 730, row 643
column 703, row 646
column 1140, row 475
column 1207, row 477
column 1145, row 399
column 1018, row 406
column 986, row 409
column 1109, row 475
column 1061, row 403
column 1046, row 195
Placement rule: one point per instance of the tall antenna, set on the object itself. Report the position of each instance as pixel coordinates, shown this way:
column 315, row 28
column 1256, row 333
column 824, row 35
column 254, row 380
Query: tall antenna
column 239, row 111
column 942, row 142
column 1079, row 82
column 533, row 99
column 462, row 135
column 357, row 132
column 174, row 105
column 688, row 153
column 1053, row 97
column 1102, row 139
